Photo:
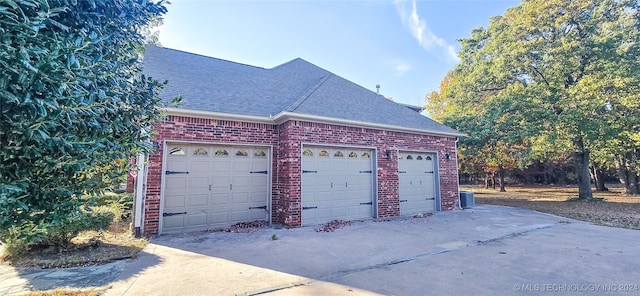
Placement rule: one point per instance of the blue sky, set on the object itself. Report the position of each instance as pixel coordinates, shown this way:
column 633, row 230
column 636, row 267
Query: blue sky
column 405, row 46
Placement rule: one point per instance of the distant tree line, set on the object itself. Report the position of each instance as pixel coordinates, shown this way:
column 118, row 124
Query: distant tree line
column 549, row 92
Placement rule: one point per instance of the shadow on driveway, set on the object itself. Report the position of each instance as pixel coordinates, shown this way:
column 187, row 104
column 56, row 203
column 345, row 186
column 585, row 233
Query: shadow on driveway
column 486, row 250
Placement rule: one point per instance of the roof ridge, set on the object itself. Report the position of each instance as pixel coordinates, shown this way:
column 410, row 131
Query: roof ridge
column 289, row 62
column 293, row 106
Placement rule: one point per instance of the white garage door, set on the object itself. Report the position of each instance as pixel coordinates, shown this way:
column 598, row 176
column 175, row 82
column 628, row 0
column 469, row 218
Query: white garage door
column 337, row 183
column 417, row 183
column 211, row 186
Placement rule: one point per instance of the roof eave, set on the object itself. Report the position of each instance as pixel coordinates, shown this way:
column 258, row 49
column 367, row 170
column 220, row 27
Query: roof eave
column 219, row 115
column 285, row 116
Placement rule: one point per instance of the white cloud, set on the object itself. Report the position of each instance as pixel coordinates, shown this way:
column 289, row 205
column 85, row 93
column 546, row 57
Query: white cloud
column 421, row 32
column 401, row 68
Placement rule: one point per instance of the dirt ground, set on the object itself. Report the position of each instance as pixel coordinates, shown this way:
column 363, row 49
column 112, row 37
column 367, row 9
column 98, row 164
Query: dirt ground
column 612, row 208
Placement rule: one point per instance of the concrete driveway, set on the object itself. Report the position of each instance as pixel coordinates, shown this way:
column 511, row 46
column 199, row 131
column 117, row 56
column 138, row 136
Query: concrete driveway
column 487, row 250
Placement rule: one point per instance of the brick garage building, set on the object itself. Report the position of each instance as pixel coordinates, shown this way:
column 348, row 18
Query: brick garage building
column 293, row 145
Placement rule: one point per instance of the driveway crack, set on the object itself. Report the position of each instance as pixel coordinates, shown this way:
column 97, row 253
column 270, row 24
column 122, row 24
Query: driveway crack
column 342, row 273
column 338, row 274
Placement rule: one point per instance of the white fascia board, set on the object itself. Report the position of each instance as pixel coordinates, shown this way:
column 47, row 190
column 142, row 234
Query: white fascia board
column 219, row 115
column 285, row 116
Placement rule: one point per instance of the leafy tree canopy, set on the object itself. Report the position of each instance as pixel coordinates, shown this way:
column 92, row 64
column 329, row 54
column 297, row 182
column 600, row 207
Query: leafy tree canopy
column 563, row 71
column 73, row 99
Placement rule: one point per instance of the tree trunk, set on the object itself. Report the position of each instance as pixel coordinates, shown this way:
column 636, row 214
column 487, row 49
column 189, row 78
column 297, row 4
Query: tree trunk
column 621, row 169
column 632, row 177
column 598, row 176
column 628, row 177
column 501, row 175
column 493, row 181
column 581, row 158
column 486, row 181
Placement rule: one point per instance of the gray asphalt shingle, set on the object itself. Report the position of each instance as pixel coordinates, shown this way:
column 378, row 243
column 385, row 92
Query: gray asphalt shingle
column 215, row 85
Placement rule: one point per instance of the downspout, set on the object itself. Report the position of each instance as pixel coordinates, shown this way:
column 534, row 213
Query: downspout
column 458, row 175
column 138, row 203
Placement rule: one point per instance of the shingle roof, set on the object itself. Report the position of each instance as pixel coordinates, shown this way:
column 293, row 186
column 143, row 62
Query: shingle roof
column 299, row 87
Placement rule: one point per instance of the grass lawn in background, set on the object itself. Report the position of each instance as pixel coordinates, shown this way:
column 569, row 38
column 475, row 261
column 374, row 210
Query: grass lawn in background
column 612, row 208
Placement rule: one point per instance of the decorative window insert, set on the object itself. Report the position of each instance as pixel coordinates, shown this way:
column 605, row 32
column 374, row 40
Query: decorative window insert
column 260, row 153
column 177, row 151
column 242, row 152
column 353, row 154
column 323, row 153
column 428, row 158
column 307, row 152
column 366, row 155
column 200, row 152
column 409, row 157
column 222, row 152
column 419, row 157
column 338, row 154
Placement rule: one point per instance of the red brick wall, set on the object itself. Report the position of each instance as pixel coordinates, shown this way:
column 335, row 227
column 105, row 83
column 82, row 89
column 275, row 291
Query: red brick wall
column 287, row 142
column 294, row 133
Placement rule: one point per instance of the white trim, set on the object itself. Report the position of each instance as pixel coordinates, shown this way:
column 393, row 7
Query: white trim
column 337, row 146
column 163, row 184
column 218, row 115
column 139, row 198
column 417, row 151
column 286, row 116
column 458, row 176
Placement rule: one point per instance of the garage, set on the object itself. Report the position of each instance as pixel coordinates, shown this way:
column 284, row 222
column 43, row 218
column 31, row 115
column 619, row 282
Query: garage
column 213, row 186
column 337, row 183
column 416, row 178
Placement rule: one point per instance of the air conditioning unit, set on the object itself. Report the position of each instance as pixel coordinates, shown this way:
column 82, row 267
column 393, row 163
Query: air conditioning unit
column 466, row 200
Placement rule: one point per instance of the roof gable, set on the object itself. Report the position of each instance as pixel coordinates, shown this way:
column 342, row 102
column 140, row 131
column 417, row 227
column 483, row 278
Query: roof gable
column 296, row 87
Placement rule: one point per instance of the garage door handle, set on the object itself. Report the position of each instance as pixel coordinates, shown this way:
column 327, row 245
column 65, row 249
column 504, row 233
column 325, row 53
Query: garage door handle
column 402, row 172
column 404, row 200
column 173, row 214
column 431, row 198
column 262, row 207
column 258, row 172
column 174, row 173
column 305, row 172
column 368, row 172
column 309, row 208
column 345, row 184
column 428, row 172
column 366, row 203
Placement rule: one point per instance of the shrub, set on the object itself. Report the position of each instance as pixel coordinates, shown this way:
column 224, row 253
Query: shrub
column 16, row 243
column 121, row 203
column 74, row 106
column 60, row 233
